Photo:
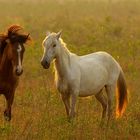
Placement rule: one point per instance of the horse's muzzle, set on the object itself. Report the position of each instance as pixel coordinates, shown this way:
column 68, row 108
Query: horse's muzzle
column 45, row 64
column 18, row 71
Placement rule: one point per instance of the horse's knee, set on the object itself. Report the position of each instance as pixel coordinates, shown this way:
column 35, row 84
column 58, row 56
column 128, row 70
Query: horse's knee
column 104, row 107
column 110, row 102
column 7, row 115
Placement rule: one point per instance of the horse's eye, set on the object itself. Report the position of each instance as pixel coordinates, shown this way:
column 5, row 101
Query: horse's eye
column 54, row 45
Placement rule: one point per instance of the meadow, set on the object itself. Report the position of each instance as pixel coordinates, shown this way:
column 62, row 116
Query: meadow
column 88, row 26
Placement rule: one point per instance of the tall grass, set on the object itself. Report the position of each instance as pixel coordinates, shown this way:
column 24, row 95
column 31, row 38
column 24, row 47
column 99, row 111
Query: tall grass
column 88, row 26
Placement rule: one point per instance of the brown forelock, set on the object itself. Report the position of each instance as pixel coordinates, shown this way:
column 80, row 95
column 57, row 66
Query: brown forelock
column 15, row 34
column 13, row 29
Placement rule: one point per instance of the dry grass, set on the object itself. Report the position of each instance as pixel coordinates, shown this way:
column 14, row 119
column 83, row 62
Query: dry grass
column 88, row 26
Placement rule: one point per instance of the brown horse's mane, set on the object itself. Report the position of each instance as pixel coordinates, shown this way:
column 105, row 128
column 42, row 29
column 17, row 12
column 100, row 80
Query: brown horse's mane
column 14, row 35
column 3, row 42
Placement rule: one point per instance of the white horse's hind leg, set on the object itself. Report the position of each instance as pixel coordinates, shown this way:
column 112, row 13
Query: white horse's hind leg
column 110, row 92
column 101, row 98
column 66, row 101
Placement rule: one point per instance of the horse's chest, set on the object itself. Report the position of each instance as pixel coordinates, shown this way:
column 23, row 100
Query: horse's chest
column 62, row 86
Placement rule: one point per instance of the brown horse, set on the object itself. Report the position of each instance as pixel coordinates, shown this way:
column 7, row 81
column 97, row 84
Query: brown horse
column 11, row 56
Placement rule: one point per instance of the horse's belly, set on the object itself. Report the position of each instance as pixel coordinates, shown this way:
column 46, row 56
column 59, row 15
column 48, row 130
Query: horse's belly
column 92, row 84
column 90, row 90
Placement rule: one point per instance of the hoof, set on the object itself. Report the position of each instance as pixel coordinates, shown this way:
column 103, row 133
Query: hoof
column 71, row 117
column 7, row 116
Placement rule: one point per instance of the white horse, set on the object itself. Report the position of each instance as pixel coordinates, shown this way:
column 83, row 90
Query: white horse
column 84, row 76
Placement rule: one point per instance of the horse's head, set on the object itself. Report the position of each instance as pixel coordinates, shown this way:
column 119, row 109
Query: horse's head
column 51, row 45
column 15, row 47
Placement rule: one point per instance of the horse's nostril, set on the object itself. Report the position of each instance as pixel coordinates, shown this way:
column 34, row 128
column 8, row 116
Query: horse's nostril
column 18, row 72
column 46, row 63
column 43, row 62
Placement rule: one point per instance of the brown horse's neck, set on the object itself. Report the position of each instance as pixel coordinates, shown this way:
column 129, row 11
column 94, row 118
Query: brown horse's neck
column 6, row 67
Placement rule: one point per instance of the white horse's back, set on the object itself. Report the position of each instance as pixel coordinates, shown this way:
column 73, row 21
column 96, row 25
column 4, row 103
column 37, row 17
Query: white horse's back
column 97, row 70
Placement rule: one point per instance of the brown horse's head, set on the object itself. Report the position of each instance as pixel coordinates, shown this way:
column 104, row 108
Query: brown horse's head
column 14, row 47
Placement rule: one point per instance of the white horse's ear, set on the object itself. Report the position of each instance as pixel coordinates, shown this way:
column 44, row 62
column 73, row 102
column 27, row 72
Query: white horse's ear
column 58, row 35
column 48, row 33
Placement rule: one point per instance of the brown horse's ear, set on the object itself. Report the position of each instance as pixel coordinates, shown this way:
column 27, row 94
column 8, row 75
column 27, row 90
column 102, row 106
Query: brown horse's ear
column 23, row 38
column 27, row 38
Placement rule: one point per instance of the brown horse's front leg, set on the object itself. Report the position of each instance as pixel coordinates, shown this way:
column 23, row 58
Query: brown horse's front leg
column 9, row 100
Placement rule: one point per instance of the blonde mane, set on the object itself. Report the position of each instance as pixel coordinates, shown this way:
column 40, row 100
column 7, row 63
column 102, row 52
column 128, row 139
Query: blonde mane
column 64, row 45
column 66, row 53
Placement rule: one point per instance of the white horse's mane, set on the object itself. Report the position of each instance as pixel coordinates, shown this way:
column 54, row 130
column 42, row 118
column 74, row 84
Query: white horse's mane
column 64, row 45
column 66, row 53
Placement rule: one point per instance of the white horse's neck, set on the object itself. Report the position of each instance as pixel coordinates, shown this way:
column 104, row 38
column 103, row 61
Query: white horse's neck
column 62, row 62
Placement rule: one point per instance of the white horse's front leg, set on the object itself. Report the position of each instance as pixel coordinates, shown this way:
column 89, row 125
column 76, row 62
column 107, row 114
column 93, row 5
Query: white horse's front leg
column 73, row 105
column 66, row 101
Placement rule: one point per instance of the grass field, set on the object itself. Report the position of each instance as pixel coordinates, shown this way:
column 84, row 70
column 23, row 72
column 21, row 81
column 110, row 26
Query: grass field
column 88, row 26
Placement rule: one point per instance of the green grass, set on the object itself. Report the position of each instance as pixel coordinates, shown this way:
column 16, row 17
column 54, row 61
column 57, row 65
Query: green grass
column 88, row 26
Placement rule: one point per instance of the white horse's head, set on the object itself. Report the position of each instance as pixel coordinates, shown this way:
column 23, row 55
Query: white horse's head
column 51, row 45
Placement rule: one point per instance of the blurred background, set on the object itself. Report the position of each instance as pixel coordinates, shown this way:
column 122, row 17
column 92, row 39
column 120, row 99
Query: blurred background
column 88, row 26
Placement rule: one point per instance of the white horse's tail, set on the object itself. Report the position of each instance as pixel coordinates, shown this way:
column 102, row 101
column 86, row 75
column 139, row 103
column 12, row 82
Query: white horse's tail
column 122, row 96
